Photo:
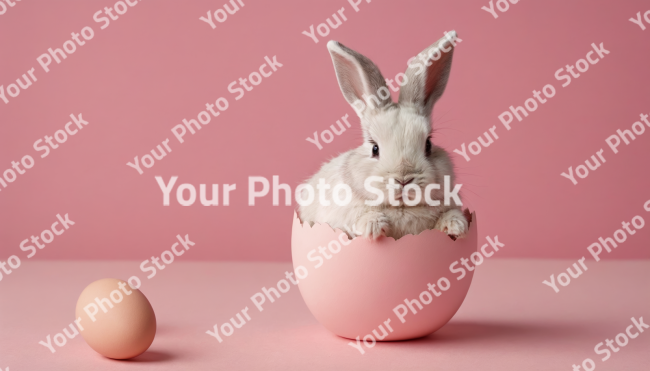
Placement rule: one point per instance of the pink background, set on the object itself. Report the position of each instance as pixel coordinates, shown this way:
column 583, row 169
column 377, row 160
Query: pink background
column 504, row 324
column 158, row 64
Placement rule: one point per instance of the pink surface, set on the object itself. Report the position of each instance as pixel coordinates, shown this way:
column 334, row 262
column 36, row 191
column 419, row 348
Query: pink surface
column 358, row 283
column 509, row 321
column 159, row 64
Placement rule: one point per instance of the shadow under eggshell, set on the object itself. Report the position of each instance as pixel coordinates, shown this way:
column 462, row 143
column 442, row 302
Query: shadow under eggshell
column 356, row 290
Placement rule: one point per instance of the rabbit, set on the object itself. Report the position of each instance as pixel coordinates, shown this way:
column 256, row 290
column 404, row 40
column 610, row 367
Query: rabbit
column 397, row 146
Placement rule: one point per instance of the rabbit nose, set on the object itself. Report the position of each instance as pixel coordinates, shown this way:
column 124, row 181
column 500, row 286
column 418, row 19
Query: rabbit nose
column 403, row 183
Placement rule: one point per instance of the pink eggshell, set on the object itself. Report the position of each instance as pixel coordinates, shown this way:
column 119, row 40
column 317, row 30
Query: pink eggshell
column 355, row 291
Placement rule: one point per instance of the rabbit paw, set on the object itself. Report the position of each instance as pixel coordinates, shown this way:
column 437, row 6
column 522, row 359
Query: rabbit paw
column 372, row 225
column 453, row 223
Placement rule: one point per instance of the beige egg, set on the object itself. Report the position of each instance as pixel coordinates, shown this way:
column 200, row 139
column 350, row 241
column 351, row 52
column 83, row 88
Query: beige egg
column 117, row 321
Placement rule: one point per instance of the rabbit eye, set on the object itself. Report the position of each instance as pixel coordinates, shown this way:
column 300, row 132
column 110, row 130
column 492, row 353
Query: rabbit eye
column 375, row 151
column 428, row 147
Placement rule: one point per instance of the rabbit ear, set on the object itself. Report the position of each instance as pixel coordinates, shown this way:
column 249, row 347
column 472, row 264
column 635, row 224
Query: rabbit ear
column 362, row 84
column 427, row 79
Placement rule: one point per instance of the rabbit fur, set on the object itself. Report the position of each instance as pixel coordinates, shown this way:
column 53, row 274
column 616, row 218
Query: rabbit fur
column 400, row 134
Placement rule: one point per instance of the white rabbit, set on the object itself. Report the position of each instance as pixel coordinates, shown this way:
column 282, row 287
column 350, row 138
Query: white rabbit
column 397, row 146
